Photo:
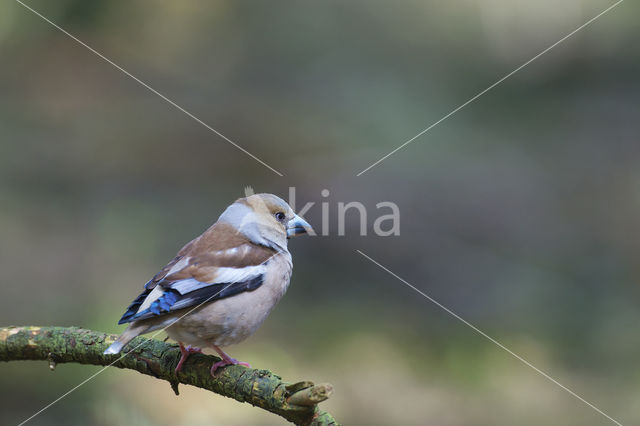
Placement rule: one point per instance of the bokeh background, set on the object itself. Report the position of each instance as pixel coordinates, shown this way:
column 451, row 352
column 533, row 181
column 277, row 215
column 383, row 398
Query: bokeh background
column 521, row 212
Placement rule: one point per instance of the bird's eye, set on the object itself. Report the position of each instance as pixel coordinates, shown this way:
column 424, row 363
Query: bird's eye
column 280, row 216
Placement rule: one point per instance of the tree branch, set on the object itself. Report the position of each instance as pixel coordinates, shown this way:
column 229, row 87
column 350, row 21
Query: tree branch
column 295, row 402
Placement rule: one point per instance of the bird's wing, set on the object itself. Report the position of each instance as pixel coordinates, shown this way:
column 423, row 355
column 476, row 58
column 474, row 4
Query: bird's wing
column 216, row 265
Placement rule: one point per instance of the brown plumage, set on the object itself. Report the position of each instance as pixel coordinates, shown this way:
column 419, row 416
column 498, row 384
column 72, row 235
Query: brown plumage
column 222, row 285
column 213, row 249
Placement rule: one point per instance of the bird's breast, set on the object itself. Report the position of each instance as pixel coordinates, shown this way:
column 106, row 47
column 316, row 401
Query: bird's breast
column 233, row 319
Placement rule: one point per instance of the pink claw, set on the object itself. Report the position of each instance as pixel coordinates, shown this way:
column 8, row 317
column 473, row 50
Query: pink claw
column 185, row 352
column 226, row 360
column 224, row 363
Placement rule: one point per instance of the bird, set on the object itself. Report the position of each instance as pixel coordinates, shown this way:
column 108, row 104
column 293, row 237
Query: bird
column 222, row 285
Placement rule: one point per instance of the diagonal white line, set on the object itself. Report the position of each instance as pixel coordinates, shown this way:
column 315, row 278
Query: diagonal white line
column 491, row 87
column 122, row 356
column 482, row 333
column 151, row 89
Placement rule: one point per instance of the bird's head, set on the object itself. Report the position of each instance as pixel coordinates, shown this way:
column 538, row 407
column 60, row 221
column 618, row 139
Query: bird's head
column 265, row 219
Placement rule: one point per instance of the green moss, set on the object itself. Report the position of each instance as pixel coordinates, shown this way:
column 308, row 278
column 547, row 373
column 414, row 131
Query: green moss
column 260, row 388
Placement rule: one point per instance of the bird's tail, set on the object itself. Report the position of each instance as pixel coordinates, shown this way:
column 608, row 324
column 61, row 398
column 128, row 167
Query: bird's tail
column 132, row 331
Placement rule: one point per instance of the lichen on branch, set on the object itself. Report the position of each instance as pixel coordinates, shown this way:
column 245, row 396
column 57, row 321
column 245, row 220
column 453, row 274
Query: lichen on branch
column 296, row 402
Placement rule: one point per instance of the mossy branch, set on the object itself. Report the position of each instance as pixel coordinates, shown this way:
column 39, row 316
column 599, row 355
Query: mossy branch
column 295, row 402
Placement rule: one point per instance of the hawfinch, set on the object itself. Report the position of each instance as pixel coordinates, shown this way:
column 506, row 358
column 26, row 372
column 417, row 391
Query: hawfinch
column 222, row 285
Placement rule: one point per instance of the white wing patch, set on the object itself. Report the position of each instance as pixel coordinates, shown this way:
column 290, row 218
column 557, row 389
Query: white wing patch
column 179, row 266
column 155, row 294
column 223, row 275
column 234, row 275
column 239, row 251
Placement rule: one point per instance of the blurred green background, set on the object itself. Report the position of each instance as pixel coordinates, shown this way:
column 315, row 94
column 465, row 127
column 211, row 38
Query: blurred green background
column 520, row 213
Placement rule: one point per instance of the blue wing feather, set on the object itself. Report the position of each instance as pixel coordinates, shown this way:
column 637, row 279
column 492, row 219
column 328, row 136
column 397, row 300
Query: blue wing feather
column 173, row 300
column 135, row 305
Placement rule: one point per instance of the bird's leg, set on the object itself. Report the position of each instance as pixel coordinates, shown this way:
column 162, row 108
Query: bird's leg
column 226, row 360
column 185, row 354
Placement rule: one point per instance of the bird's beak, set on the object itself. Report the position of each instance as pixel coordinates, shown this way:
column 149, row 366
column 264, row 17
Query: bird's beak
column 297, row 226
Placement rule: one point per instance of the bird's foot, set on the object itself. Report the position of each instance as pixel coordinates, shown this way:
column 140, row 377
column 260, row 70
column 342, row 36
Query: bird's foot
column 185, row 352
column 226, row 360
